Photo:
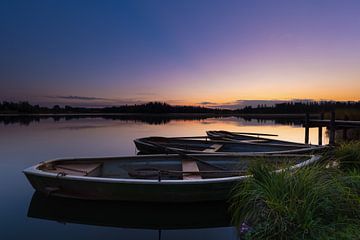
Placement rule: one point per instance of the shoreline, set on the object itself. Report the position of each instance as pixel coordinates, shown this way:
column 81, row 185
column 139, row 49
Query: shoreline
column 295, row 115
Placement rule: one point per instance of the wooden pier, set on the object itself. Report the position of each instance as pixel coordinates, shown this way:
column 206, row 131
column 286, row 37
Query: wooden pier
column 332, row 124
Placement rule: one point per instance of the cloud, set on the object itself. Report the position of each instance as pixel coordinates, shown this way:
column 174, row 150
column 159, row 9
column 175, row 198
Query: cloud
column 87, row 101
column 241, row 103
column 145, row 94
column 207, row 103
column 302, row 100
column 253, row 103
column 79, row 98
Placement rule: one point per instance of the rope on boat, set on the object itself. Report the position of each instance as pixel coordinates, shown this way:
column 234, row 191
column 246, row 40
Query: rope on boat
column 60, row 174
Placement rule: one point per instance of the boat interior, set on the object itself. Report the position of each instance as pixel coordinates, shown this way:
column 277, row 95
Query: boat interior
column 164, row 167
column 219, row 146
column 225, row 135
column 221, row 134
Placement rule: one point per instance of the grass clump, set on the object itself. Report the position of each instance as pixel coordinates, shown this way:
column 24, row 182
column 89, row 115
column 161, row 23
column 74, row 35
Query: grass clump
column 311, row 203
column 348, row 156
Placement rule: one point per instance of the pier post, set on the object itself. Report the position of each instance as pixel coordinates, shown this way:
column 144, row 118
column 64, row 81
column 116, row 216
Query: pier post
column 344, row 134
column 346, row 118
column 332, row 129
column 307, row 128
column 320, row 130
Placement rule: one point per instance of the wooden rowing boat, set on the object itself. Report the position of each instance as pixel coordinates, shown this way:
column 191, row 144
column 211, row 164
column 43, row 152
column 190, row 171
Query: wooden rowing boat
column 250, row 137
column 154, row 145
column 151, row 178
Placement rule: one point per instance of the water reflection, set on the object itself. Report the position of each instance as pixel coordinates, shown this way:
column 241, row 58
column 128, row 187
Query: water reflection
column 152, row 119
column 27, row 141
column 287, row 129
column 298, row 120
column 129, row 214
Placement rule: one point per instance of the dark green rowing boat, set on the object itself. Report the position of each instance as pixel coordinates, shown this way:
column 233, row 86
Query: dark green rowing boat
column 151, row 178
column 200, row 145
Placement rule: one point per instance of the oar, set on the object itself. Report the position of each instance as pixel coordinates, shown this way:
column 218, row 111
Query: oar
column 197, row 137
column 184, row 155
column 259, row 134
column 194, row 137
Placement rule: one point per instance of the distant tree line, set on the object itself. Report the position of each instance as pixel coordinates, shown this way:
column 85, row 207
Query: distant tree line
column 151, row 107
column 159, row 107
column 300, row 107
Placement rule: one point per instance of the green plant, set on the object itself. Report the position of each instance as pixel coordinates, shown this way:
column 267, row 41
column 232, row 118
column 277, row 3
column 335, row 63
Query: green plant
column 348, row 155
column 310, row 203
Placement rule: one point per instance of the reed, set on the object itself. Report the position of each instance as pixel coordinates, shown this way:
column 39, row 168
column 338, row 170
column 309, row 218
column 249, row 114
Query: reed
column 351, row 114
column 315, row 202
column 348, row 155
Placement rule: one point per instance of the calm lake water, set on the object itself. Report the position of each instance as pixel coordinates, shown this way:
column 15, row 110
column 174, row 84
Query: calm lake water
column 26, row 141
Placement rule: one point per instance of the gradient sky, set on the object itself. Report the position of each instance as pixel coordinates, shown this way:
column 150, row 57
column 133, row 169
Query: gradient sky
column 183, row 52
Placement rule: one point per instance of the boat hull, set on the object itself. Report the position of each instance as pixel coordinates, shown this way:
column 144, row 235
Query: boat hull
column 147, row 146
column 155, row 192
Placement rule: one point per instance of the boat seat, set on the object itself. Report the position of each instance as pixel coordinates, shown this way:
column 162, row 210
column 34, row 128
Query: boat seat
column 255, row 141
column 213, row 148
column 189, row 165
column 78, row 169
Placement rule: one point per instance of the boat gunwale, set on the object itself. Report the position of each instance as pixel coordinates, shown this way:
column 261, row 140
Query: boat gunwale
column 214, row 133
column 35, row 171
column 298, row 150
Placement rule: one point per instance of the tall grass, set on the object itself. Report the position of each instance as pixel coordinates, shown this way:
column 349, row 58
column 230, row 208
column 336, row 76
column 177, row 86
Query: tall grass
column 312, row 203
column 348, row 155
column 350, row 113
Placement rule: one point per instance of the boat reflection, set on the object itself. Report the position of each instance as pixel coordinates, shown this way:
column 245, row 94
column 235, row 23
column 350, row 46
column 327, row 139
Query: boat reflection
column 158, row 216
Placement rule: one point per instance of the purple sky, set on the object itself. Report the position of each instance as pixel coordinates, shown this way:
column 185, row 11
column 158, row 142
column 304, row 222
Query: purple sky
column 97, row 53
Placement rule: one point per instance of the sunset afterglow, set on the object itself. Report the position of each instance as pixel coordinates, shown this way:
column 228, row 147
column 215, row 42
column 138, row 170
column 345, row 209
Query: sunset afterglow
column 183, row 52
